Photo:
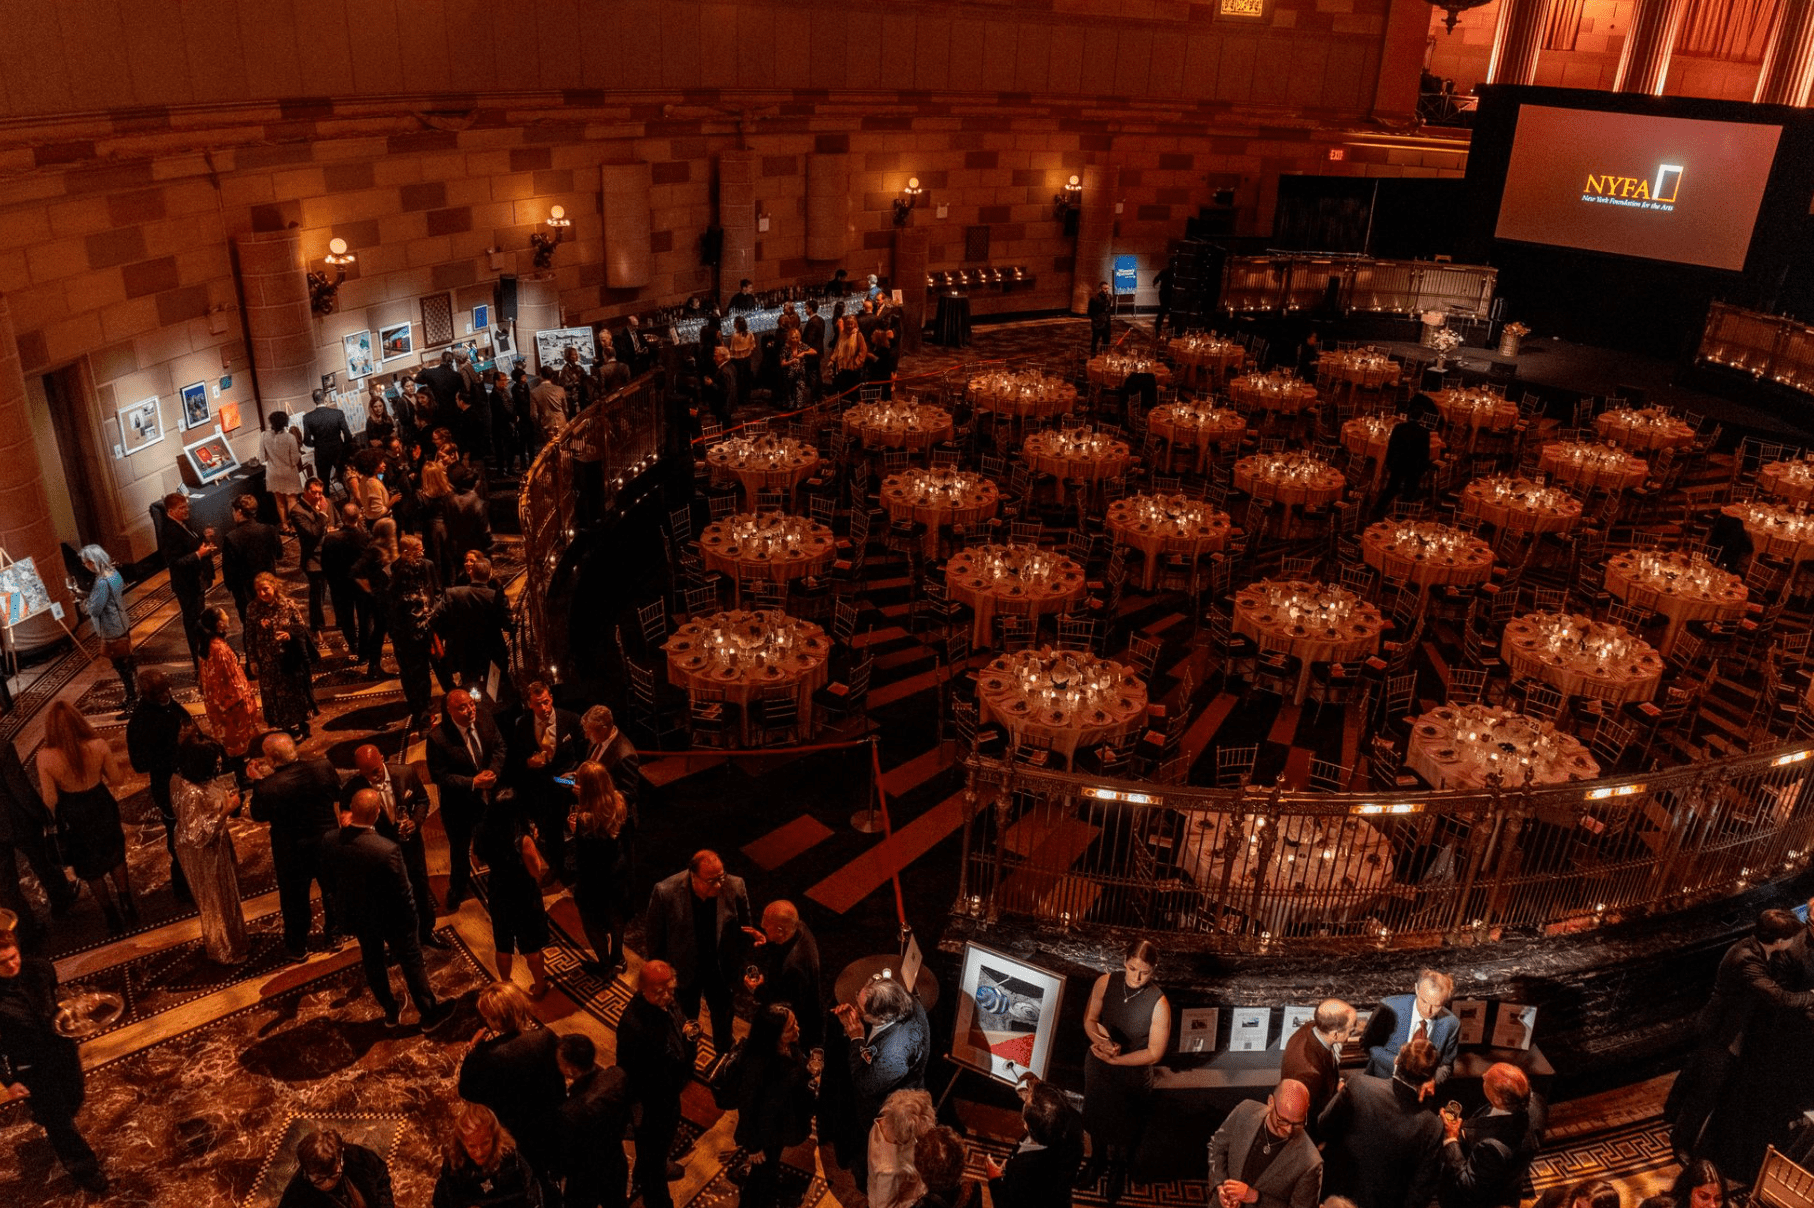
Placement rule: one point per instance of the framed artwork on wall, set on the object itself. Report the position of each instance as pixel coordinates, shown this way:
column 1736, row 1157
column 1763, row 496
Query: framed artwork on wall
column 395, row 341
column 481, row 316
column 195, row 405
column 140, row 426
column 229, row 417
column 437, row 320
column 1007, row 1015
column 359, row 359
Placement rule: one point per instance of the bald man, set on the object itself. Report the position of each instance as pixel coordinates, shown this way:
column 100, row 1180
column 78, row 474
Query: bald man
column 368, row 876
column 656, row 1048
column 1314, row 1052
column 405, row 808
column 1262, row 1155
column 1485, row 1157
column 297, row 798
column 787, row 960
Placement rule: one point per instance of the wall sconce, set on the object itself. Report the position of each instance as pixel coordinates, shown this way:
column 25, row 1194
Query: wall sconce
column 322, row 291
column 545, row 243
column 1067, row 203
column 910, row 197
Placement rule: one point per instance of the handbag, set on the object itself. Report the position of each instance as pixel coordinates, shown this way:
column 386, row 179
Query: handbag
column 727, row 1079
column 533, row 861
column 117, row 648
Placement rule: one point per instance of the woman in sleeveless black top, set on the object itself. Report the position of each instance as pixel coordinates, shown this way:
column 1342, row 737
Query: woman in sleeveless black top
column 1128, row 1024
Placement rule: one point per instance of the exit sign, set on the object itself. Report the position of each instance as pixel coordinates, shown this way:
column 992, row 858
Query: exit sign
column 1338, row 153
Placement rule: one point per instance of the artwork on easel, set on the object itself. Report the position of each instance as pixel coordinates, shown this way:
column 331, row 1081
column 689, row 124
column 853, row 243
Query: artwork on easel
column 22, row 590
column 1007, row 1014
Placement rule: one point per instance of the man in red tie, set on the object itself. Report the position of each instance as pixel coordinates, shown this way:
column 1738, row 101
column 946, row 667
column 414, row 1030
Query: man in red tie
column 1424, row 1015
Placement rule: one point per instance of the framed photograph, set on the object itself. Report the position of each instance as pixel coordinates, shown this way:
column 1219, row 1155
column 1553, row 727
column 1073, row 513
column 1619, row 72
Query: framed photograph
column 394, row 342
column 551, row 346
column 229, row 417
column 195, row 405
column 1007, row 1014
column 481, row 316
column 1248, row 1028
column 359, row 360
column 1295, row 1018
column 503, row 341
column 211, row 457
column 140, row 426
column 1197, row 1029
column 437, row 319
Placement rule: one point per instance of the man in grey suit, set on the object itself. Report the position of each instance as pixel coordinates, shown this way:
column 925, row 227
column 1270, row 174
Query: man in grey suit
column 699, row 922
column 1262, row 1155
column 1424, row 1015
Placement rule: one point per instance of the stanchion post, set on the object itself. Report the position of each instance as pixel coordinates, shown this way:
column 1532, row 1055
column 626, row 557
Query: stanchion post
column 868, row 821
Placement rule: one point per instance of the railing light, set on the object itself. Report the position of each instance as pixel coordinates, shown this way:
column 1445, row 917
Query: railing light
column 1791, row 757
column 1368, row 808
column 1615, row 790
column 1131, row 798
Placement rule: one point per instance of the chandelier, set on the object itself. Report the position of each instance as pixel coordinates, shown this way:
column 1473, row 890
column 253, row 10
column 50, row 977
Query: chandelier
column 1455, row 8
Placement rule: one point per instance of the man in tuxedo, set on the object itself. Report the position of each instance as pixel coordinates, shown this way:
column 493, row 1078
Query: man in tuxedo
column 812, row 335
column 324, row 430
column 404, row 808
column 40, row 1064
column 1486, row 1156
column 472, row 623
column 1263, row 1149
column 297, row 799
column 341, row 550
column 743, row 299
column 1313, row 1054
column 606, row 744
column 655, row 1050
column 591, row 1126
column 465, row 761
column 787, row 957
column 545, row 746
column 468, row 518
column 189, row 556
column 312, row 518
column 1382, row 1147
column 24, row 822
column 153, row 735
column 890, row 1042
column 1099, row 310
column 699, row 922
column 631, row 348
column 443, row 381
column 373, row 886
column 250, row 548
column 1424, row 1015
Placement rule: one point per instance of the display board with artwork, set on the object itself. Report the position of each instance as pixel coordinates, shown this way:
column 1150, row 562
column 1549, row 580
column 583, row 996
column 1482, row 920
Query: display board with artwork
column 395, row 341
column 1007, row 1013
column 359, row 359
column 437, row 319
column 22, row 593
column 551, row 346
column 141, row 426
column 211, row 457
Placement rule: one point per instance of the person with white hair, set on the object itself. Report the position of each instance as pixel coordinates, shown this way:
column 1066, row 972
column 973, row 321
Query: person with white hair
column 107, row 612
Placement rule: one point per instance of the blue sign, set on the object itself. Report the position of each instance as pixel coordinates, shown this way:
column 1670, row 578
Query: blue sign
column 1126, row 274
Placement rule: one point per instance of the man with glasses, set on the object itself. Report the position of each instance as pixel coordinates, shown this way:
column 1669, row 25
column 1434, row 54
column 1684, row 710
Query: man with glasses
column 1424, row 1015
column 333, row 1173
column 1262, row 1155
column 699, row 922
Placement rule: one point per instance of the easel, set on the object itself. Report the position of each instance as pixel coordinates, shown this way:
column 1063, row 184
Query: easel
column 9, row 654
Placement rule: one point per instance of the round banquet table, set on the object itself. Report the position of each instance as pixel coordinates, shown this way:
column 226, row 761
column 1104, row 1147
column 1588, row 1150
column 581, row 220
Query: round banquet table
column 1520, row 505
column 698, row 659
column 939, row 498
column 1630, row 672
column 1352, row 639
column 1650, row 428
column 1063, row 455
column 748, row 546
column 1367, row 370
column 1426, row 553
column 1476, row 410
column 1112, row 369
column 1775, row 529
column 1195, row 426
column 1022, row 395
column 898, row 425
column 1366, row 436
column 1320, row 867
column 765, row 461
column 1678, row 586
column 1589, row 466
column 1154, row 524
column 972, row 577
column 1271, row 392
column 1003, row 696
column 1204, row 356
column 1792, row 480
column 1289, row 478
column 1442, row 752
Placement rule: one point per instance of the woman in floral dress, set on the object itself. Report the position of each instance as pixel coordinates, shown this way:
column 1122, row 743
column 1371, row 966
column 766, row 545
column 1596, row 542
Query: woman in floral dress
column 232, row 705
column 282, row 652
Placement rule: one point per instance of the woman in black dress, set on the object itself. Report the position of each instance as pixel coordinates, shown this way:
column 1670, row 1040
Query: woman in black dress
column 602, row 850
column 1128, row 1023
column 75, row 771
column 518, row 921
column 511, row 1068
column 774, row 1100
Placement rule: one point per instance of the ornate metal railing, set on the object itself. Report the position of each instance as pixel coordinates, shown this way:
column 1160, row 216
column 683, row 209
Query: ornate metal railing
column 574, row 480
column 1765, row 346
column 1265, row 868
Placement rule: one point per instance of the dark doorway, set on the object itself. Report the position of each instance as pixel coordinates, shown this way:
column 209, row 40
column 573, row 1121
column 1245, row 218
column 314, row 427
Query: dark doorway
column 80, row 468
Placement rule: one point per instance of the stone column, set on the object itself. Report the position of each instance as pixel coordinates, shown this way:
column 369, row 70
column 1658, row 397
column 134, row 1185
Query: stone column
column 25, row 524
column 280, row 327
column 629, row 263
column 1644, row 63
column 1788, row 66
column 827, row 207
column 736, row 218
column 1516, row 41
column 910, row 258
column 538, row 308
column 1095, row 234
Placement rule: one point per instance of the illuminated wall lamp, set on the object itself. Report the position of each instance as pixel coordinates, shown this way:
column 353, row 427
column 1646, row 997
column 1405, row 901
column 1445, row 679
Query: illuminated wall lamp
column 545, row 243
column 910, row 197
column 322, row 292
column 1067, row 203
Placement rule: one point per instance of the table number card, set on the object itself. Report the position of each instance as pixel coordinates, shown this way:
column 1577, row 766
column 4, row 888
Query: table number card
column 1472, row 1014
column 1247, row 1029
column 1512, row 1026
column 1295, row 1018
column 1197, row 1029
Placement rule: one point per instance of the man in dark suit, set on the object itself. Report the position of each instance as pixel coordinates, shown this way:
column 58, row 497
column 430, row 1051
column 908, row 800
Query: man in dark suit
column 656, row 1048
column 1424, row 1015
column 405, row 806
column 1486, row 1156
column 472, row 623
column 699, row 922
column 189, row 556
column 324, row 430
column 297, row 798
column 743, row 299
column 37, row 1063
column 1313, row 1054
column 787, row 957
column 373, row 887
column 545, row 747
column 465, row 761
column 890, row 1043
column 1263, row 1148
column 630, row 347
column 591, row 1124
column 1382, row 1147
column 468, row 518
column 24, row 821
column 312, row 516
column 1099, row 311
column 1407, row 460
column 153, row 735
column 250, row 548
column 812, row 335
column 1038, row 1174
column 340, row 552
column 606, row 744
column 443, row 381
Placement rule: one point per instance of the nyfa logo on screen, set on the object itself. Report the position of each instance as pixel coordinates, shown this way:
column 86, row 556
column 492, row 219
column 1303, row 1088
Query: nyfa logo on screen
column 1637, row 192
